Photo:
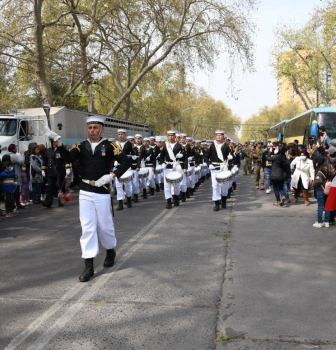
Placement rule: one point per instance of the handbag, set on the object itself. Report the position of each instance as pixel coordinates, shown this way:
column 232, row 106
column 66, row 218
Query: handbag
column 326, row 188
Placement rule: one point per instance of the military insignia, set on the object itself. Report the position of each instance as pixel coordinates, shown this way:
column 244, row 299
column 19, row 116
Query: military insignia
column 103, row 151
column 76, row 146
column 116, row 149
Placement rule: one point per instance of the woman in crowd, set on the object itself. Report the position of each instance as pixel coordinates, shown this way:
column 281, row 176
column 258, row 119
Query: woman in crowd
column 36, row 173
column 325, row 172
column 303, row 176
column 278, row 173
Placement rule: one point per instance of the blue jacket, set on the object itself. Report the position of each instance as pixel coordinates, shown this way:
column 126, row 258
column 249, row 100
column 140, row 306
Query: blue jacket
column 7, row 179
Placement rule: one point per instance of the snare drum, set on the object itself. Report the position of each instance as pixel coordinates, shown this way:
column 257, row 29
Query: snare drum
column 197, row 170
column 126, row 177
column 224, row 177
column 174, row 177
column 143, row 172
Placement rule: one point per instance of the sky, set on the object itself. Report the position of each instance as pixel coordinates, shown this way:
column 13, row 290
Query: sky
column 258, row 89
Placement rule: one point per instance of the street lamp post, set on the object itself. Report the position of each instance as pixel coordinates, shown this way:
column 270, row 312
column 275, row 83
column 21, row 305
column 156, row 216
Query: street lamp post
column 46, row 108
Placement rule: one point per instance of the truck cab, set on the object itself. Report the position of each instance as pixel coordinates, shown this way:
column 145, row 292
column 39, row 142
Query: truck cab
column 20, row 130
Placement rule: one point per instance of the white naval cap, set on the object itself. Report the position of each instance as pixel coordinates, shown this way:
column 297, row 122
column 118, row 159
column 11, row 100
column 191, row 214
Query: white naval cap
column 130, row 137
column 171, row 132
column 122, row 131
column 189, row 138
column 146, row 139
column 198, row 141
column 138, row 136
column 158, row 139
column 219, row 132
column 178, row 135
column 95, row 119
column 183, row 135
column 152, row 137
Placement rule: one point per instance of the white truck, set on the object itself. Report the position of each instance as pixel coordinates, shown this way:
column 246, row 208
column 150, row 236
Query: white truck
column 28, row 126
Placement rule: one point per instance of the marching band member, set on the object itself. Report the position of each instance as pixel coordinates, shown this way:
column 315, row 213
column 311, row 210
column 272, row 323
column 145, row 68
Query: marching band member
column 96, row 154
column 171, row 154
column 141, row 153
column 135, row 168
column 126, row 146
column 150, row 163
column 216, row 158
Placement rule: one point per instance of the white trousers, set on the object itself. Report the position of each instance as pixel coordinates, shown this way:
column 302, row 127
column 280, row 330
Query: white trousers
column 170, row 190
column 96, row 220
column 191, row 178
column 150, row 177
column 135, row 182
column 120, row 189
column 183, row 183
column 218, row 189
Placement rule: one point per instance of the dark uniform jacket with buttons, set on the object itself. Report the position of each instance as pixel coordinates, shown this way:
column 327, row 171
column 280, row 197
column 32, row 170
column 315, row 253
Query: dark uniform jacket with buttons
column 211, row 155
column 95, row 165
column 165, row 158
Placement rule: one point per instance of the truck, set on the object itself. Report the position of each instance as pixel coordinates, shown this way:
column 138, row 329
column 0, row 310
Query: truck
column 27, row 125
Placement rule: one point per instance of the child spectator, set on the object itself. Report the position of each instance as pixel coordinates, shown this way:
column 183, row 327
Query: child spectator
column 8, row 187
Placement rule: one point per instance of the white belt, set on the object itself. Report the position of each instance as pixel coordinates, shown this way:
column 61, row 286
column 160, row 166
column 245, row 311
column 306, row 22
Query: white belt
column 90, row 182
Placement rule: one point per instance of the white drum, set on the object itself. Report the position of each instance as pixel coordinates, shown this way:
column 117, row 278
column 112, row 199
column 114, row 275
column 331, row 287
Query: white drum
column 174, row 177
column 143, row 172
column 126, row 177
column 203, row 166
column 158, row 169
column 224, row 176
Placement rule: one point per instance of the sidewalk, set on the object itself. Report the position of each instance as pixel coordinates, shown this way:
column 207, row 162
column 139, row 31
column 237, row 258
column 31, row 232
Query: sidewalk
column 280, row 281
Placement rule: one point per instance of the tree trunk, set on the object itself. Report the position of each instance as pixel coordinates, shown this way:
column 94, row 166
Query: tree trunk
column 127, row 107
column 40, row 71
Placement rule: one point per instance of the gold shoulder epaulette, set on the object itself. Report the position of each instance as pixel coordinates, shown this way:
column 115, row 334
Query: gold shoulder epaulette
column 116, row 149
column 77, row 146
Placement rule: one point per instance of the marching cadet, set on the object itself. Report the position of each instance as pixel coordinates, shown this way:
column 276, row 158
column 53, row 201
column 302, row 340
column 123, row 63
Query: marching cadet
column 191, row 167
column 126, row 146
column 136, row 161
column 155, row 152
column 159, row 177
column 216, row 158
column 198, row 160
column 96, row 156
column 171, row 154
column 150, row 160
column 141, row 153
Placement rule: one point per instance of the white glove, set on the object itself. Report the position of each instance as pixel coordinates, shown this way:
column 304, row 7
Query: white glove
column 190, row 159
column 116, row 163
column 163, row 166
column 135, row 157
column 51, row 135
column 211, row 167
column 68, row 171
column 201, row 153
column 105, row 179
column 147, row 159
column 230, row 157
column 43, row 173
column 179, row 155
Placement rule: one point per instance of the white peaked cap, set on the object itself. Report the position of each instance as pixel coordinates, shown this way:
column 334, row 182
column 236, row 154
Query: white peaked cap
column 137, row 135
column 219, row 132
column 146, row 139
column 158, row 139
column 152, row 137
column 171, row 132
column 183, row 135
column 95, row 119
column 122, row 130
column 130, row 137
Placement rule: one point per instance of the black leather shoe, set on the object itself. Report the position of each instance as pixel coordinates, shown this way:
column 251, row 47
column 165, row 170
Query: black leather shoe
column 169, row 204
column 88, row 271
column 45, row 205
column 216, row 207
column 109, row 259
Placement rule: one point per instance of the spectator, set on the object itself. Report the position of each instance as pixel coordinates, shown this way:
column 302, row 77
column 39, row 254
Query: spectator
column 267, row 165
column 325, row 139
column 8, row 187
column 17, row 160
column 36, row 173
column 278, row 174
column 325, row 172
column 24, row 199
column 303, row 176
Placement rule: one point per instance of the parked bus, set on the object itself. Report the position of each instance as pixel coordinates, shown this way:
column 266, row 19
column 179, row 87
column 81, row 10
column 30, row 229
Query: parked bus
column 22, row 129
column 276, row 132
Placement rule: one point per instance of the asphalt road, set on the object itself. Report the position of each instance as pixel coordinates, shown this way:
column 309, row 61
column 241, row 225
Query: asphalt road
column 252, row 276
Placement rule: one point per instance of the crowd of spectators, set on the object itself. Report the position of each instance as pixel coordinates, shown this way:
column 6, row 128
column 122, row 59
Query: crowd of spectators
column 36, row 176
column 295, row 171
